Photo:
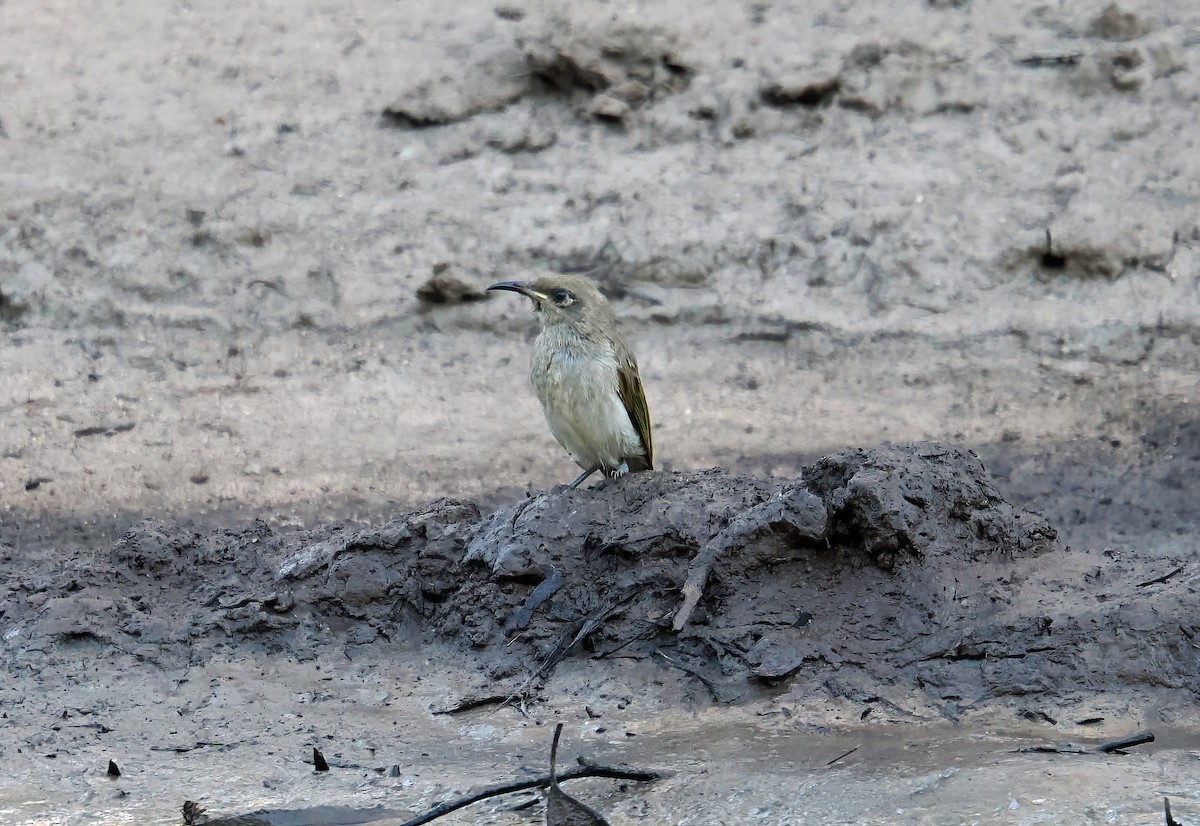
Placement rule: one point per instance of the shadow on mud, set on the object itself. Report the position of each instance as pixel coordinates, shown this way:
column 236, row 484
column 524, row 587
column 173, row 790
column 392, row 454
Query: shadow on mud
column 893, row 577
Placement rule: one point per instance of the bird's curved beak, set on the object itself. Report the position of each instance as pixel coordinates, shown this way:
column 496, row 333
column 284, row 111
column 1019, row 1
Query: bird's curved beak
column 522, row 287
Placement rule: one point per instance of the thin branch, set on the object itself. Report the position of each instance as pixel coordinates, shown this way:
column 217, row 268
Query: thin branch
column 687, row 669
column 1037, row 61
column 474, row 702
column 1128, row 742
column 554, row 756
column 1107, row 748
column 1167, row 813
column 641, row 775
column 841, row 756
column 1162, row 578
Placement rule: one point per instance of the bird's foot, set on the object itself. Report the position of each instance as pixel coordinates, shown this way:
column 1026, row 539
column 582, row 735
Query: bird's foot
column 611, row 475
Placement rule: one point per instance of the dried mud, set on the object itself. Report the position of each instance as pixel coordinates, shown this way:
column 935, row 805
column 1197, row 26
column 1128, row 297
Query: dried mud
column 895, row 576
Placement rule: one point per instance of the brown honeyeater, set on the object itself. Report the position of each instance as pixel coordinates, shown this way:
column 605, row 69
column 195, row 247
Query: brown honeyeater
column 586, row 377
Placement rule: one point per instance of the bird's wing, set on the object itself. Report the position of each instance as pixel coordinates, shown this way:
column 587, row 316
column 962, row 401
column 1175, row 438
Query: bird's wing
column 629, row 388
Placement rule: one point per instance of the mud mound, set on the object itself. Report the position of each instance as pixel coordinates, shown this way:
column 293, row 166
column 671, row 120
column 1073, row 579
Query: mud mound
column 879, row 575
column 608, row 65
column 603, row 66
column 922, row 499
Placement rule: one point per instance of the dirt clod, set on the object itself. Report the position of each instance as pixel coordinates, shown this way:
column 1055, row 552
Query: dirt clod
column 449, row 285
column 586, row 55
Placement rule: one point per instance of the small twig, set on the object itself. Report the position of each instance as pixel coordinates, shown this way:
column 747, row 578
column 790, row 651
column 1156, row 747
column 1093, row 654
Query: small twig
column 319, row 763
column 1138, row 739
column 1167, row 813
column 1038, row 61
column 1107, row 748
column 725, row 647
column 589, row 625
column 1062, row 748
column 1162, row 578
column 613, row 772
column 554, row 756
column 840, row 756
column 574, row 635
column 697, row 576
column 687, row 669
column 545, row 589
column 519, row 510
column 199, row 744
column 561, row 808
column 474, row 702
column 646, row 633
column 783, row 511
column 862, row 259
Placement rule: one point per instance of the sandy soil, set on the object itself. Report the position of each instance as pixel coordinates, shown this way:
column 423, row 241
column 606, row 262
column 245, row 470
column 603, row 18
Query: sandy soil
column 824, row 226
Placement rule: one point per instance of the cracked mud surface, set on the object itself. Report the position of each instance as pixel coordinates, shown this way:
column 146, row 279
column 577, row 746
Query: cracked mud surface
column 916, row 299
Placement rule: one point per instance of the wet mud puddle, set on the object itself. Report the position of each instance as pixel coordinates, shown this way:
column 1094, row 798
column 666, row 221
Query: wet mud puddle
column 729, row 765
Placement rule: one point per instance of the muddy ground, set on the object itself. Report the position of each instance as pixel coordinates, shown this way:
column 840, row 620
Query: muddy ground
column 916, row 297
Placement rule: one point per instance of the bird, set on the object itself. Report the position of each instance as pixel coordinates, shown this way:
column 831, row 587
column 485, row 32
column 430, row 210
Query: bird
column 586, row 377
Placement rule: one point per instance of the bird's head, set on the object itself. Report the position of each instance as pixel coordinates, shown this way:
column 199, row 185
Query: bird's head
column 564, row 299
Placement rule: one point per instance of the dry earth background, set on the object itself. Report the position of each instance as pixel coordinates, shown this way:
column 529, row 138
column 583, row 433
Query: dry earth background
column 824, row 225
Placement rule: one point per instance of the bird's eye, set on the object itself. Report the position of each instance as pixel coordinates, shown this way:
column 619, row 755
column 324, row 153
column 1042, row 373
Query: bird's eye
column 562, row 297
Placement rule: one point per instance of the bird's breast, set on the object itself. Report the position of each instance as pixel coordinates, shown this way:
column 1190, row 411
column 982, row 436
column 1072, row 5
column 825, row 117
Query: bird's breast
column 576, row 382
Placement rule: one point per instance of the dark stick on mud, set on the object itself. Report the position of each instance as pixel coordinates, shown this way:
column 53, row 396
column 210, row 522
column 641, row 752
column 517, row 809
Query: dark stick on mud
column 1138, row 739
column 1061, row 748
column 1167, row 813
column 528, row 804
column 1162, row 578
column 319, row 763
column 1038, row 61
column 687, row 669
column 574, row 635
column 520, row 510
column 561, row 808
column 546, row 589
column 648, row 633
column 199, row 744
column 554, row 756
column 693, row 587
column 842, row 756
column 590, row 770
column 474, row 702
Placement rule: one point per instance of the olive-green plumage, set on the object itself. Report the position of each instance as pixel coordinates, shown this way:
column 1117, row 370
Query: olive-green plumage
column 586, row 377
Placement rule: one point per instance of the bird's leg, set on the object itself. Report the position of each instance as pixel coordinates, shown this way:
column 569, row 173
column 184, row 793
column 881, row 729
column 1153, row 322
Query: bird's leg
column 620, row 470
column 579, row 480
